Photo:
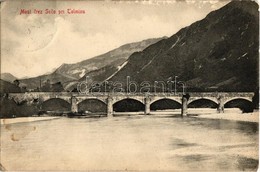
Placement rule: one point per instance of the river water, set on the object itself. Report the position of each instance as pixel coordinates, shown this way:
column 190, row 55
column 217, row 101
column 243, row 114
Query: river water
column 130, row 143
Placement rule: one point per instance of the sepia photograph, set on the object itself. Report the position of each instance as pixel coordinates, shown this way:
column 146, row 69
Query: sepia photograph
column 129, row 85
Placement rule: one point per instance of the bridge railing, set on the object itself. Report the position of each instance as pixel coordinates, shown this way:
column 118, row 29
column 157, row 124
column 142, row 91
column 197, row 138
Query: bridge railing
column 178, row 94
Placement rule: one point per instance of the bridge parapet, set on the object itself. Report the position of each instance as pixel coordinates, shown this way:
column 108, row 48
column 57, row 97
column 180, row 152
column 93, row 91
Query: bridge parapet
column 21, row 97
column 224, row 94
column 39, row 96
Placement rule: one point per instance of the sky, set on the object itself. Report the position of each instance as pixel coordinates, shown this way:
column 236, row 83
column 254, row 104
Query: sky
column 35, row 44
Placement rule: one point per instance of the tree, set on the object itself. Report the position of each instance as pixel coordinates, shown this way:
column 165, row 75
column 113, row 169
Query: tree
column 16, row 82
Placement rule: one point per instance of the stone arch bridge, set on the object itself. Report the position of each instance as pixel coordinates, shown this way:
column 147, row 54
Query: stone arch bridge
column 220, row 98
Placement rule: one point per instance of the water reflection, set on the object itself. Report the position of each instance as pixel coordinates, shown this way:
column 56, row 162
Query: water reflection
column 130, row 142
column 220, row 124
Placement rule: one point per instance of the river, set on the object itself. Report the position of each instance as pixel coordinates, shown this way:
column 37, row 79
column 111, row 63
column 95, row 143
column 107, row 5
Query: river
column 130, row 143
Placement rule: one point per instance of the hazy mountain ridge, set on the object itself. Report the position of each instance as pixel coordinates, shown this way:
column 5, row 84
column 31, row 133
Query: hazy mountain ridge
column 114, row 57
column 37, row 82
column 8, row 77
column 219, row 52
column 68, row 74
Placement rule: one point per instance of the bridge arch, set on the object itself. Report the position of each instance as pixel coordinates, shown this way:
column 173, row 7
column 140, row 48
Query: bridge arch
column 165, row 103
column 176, row 99
column 203, row 98
column 118, row 99
column 91, row 98
column 238, row 98
column 244, row 104
column 55, row 104
column 203, row 103
column 92, row 105
column 128, row 105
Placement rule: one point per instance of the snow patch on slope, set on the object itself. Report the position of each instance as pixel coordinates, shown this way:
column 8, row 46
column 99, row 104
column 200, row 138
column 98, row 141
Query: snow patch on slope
column 83, row 72
column 121, row 66
column 175, row 42
column 118, row 69
column 242, row 56
column 80, row 72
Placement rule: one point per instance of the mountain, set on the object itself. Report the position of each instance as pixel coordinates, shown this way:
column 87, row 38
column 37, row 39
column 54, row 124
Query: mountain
column 37, row 82
column 7, row 77
column 103, row 65
column 7, row 87
column 217, row 53
column 112, row 58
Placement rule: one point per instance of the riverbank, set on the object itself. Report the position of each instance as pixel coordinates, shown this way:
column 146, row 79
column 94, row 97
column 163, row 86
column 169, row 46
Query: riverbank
column 236, row 116
column 25, row 119
column 247, row 117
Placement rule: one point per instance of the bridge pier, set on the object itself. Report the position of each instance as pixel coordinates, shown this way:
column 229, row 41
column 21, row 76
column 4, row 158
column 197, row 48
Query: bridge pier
column 184, row 107
column 220, row 108
column 109, row 107
column 74, row 106
column 220, row 104
column 147, row 106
